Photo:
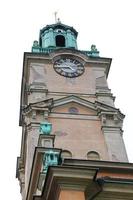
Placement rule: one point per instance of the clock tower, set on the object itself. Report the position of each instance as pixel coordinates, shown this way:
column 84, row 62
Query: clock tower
column 70, row 125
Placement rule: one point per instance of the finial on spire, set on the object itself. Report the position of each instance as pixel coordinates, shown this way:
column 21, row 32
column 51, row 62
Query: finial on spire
column 55, row 14
column 57, row 20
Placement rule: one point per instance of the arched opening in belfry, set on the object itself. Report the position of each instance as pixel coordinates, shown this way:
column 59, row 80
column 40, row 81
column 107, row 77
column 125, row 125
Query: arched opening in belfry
column 60, row 41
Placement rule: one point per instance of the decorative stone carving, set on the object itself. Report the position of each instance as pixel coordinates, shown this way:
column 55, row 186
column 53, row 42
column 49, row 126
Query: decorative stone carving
column 35, row 43
column 94, row 52
column 34, row 114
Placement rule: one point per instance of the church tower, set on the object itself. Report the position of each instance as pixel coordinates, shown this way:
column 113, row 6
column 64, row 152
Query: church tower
column 70, row 125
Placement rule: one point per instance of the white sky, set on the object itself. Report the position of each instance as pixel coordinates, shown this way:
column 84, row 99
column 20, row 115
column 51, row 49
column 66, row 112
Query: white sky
column 106, row 23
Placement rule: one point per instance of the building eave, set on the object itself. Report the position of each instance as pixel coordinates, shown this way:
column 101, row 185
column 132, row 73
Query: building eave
column 108, row 165
column 66, row 177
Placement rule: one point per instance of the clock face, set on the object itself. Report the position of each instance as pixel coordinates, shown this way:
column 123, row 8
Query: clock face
column 68, row 67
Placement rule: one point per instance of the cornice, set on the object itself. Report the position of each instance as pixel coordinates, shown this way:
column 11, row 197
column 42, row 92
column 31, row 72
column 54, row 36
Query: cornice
column 68, row 178
column 40, row 105
column 108, row 165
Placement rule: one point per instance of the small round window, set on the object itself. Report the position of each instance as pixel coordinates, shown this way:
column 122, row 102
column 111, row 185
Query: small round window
column 73, row 110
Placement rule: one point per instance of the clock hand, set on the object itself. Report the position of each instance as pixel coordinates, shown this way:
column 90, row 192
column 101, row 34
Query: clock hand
column 62, row 66
column 71, row 68
column 65, row 66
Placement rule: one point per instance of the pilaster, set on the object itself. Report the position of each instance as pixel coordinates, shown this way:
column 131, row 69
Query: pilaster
column 115, row 145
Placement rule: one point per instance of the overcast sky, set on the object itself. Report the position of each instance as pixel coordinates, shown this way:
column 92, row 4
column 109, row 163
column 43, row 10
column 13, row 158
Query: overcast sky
column 106, row 23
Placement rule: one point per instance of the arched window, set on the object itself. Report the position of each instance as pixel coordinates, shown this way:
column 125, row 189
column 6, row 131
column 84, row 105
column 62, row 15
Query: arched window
column 66, row 154
column 93, row 155
column 60, row 41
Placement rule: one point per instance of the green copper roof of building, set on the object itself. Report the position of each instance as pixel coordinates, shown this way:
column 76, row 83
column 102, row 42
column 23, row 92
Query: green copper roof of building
column 58, row 35
column 59, row 25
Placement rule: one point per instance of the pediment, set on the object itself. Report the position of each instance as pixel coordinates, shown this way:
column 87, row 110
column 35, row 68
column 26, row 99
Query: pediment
column 84, row 105
column 74, row 108
column 73, row 101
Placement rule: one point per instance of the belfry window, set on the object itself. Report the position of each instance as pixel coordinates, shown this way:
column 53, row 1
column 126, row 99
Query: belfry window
column 60, row 41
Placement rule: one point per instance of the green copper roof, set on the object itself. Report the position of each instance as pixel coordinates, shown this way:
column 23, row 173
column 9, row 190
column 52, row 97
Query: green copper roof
column 59, row 25
column 59, row 35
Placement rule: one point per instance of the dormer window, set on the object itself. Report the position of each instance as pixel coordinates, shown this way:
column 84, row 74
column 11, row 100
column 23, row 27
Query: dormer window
column 60, row 41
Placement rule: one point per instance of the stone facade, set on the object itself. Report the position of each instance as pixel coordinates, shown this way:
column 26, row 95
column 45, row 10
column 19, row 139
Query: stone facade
column 85, row 122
